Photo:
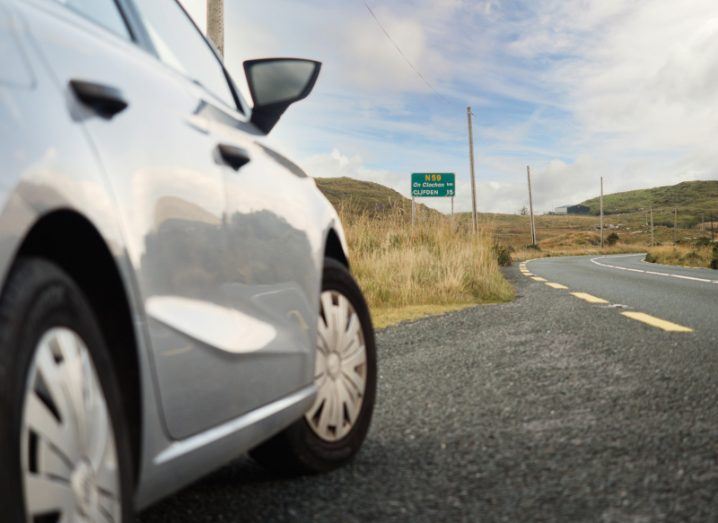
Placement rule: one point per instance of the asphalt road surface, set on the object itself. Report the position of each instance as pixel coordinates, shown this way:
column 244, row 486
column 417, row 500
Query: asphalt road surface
column 554, row 407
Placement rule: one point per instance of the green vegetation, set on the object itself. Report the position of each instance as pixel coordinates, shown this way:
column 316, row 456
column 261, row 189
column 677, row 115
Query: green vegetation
column 503, row 254
column 692, row 199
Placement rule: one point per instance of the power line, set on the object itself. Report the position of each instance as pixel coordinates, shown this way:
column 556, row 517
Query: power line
column 401, row 53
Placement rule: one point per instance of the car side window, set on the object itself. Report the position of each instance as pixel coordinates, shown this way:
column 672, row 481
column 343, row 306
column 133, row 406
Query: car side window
column 181, row 46
column 102, row 12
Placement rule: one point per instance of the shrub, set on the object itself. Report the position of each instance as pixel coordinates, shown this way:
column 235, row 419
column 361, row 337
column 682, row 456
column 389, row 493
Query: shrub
column 503, row 254
column 612, row 239
column 651, row 258
column 692, row 258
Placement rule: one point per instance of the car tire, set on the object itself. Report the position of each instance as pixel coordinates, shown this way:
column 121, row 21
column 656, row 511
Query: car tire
column 313, row 444
column 64, row 444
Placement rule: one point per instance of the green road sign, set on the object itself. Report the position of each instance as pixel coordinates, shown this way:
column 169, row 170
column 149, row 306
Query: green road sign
column 431, row 185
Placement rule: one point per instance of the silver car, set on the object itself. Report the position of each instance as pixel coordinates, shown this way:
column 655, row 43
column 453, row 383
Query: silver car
column 174, row 292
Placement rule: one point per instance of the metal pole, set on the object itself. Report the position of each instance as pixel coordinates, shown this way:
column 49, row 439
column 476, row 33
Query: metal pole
column 531, row 207
column 601, row 212
column 215, row 23
column 675, row 223
column 653, row 238
column 473, row 179
column 452, row 208
column 413, row 211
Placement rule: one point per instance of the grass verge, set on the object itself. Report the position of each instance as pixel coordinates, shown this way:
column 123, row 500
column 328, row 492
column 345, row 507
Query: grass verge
column 528, row 253
column 387, row 316
column 686, row 255
column 436, row 267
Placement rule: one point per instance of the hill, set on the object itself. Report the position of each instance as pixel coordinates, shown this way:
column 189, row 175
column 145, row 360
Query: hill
column 361, row 197
column 690, row 198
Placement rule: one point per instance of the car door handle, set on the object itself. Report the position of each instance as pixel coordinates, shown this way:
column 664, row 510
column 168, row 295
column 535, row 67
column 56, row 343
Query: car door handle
column 105, row 100
column 234, row 156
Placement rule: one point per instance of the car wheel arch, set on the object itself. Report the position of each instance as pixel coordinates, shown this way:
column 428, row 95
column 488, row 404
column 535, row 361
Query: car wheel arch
column 333, row 248
column 70, row 240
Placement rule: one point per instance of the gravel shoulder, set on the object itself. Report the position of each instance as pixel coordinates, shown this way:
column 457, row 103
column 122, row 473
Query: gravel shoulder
column 542, row 409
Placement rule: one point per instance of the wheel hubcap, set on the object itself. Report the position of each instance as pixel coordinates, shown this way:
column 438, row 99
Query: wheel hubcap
column 84, row 488
column 69, row 458
column 340, row 372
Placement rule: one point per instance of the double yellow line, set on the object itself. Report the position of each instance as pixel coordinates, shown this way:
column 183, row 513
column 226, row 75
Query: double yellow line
column 647, row 319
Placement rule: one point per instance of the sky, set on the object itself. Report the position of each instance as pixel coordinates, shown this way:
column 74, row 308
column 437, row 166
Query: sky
column 624, row 89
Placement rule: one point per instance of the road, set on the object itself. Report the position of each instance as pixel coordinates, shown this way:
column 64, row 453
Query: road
column 685, row 296
column 549, row 408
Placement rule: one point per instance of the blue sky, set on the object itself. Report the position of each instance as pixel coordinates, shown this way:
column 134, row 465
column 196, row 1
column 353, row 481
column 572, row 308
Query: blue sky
column 615, row 88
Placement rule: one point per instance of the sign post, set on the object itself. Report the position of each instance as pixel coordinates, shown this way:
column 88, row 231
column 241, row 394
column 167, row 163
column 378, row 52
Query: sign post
column 432, row 185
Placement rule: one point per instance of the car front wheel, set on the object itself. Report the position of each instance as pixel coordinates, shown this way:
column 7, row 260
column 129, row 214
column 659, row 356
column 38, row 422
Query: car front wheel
column 334, row 428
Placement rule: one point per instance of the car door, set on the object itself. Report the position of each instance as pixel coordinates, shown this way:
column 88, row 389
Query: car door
column 273, row 279
column 145, row 100
column 260, row 337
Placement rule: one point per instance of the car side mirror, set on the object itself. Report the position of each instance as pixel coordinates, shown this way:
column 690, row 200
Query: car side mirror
column 275, row 84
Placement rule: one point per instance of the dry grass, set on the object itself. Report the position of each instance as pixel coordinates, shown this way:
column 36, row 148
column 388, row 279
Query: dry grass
column 690, row 256
column 436, row 267
column 578, row 235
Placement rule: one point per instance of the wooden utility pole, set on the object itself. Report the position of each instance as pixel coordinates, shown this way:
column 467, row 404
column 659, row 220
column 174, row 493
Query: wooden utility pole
column 474, row 225
column 601, row 212
column 531, row 208
column 653, row 238
column 675, row 223
column 215, row 23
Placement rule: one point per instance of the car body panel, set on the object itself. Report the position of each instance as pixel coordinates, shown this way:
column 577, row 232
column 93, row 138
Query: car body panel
column 249, row 370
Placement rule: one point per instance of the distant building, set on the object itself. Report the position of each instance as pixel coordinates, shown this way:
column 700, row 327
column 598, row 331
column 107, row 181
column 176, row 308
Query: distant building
column 578, row 209
column 571, row 209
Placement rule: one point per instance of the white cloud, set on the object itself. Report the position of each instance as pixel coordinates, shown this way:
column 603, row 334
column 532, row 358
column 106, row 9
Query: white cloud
column 615, row 88
column 336, row 164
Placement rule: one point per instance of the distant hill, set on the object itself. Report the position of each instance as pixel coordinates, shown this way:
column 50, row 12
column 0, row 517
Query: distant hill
column 358, row 196
column 691, row 198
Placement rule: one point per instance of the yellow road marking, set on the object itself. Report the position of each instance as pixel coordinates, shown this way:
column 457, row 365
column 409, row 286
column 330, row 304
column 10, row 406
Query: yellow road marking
column 538, row 278
column 528, row 274
column 588, row 297
column 556, row 285
column 656, row 322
